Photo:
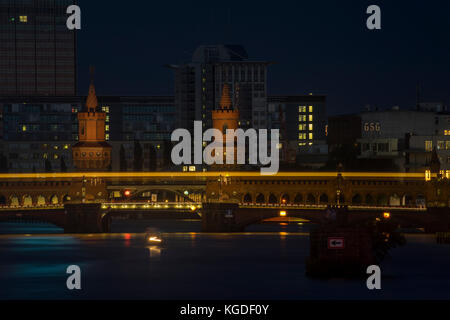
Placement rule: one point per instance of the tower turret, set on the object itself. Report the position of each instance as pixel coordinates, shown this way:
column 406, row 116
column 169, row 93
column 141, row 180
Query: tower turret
column 91, row 153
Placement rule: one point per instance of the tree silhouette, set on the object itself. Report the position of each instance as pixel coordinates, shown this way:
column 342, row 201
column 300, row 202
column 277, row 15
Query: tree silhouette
column 138, row 156
column 48, row 166
column 63, row 165
column 152, row 165
column 3, row 164
column 123, row 160
column 167, row 156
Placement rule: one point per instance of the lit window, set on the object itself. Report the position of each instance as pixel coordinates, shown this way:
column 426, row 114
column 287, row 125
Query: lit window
column 302, row 144
column 107, row 127
column 301, row 109
column 24, row 128
column 302, row 118
column 311, row 136
column 105, row 109
column 302, row 136
column 302, row 127
column 429, row 146
column 441, row 145
column 192, row 169
column 311, row 109
column 311, row 118
column 56, row 147
column 447, row 132
column 45, row 156
column 66, row 147
column 185, row 169
column 56, row 157
column 24, row 19
column 311, row 127
column 107, row 137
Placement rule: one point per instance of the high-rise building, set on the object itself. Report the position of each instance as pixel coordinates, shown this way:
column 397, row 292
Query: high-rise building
column 199, row 84
column 37, row 50
column 302, row 122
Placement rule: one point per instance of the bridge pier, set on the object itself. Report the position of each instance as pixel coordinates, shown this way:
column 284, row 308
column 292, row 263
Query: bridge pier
column 86, row 218
column 220, row 217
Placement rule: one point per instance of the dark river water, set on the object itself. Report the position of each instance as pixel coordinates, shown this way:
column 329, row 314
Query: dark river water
column 267, row 262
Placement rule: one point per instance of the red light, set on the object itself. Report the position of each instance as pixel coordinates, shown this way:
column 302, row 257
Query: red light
column 127, row 193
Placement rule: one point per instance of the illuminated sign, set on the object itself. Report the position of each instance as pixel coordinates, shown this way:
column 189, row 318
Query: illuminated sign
column 372, row 127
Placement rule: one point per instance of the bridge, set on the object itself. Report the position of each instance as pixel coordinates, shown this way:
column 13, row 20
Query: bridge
column 414, row 197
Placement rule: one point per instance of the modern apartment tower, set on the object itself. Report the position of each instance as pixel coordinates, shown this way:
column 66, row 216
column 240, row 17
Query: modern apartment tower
column 37, row 50
column 199, row 84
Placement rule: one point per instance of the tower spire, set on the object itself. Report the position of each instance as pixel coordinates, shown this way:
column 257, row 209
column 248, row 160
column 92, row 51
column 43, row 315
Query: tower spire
column 225, row 101
column 92, row 102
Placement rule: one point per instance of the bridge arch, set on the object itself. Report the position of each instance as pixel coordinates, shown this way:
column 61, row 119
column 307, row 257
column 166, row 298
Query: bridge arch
column 370, row 199
column 273, row 199
column 41, row 200
column 260, row 198
column 421, row 200
column 27, row 201
column 407, row 200
column 66, row 198
column 357, row 199
column 298, row 198
column 382, row 199
column 247, row 198
column 395, row 200
column 323, row 199
column 310, row 199
column 285, row 199
column 165, row 194
column 54, row 199
column 252, row 217
column 14, row 201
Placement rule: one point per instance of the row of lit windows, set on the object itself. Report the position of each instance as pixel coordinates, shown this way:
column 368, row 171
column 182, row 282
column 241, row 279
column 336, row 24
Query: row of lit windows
column 304, row 127
column 446, row 132
column 441, row 145
column 305, row 136
column 304, row 118
column 23, row 19
column 303, row 109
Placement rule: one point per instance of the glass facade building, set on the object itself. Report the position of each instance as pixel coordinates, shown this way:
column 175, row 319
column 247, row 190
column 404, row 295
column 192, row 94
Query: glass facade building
column 37, row 50
column 36, row 129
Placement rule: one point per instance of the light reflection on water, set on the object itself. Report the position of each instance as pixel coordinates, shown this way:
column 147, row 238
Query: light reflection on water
column 268, row 264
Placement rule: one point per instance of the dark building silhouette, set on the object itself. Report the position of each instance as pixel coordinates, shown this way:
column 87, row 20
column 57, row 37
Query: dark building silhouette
column 37, row 50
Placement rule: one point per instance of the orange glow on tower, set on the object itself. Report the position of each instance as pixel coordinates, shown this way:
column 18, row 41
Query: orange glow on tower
column 91, row 152
column 226, row 118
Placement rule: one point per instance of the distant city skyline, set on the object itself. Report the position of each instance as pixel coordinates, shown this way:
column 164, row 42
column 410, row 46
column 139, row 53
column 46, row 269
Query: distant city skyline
column 320, row 48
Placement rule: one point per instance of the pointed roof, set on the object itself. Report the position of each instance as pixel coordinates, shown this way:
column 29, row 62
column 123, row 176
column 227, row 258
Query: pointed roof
column 92, row 102
column 225, row 101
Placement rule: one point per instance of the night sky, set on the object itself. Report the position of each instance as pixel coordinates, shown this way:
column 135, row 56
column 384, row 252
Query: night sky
column 321, row 47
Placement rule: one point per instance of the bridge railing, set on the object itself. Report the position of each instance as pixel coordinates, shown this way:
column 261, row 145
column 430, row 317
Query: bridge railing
column 193, row 206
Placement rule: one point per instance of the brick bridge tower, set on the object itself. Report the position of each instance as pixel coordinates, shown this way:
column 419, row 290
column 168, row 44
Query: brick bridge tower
column 91, row 153
column 225, row 117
